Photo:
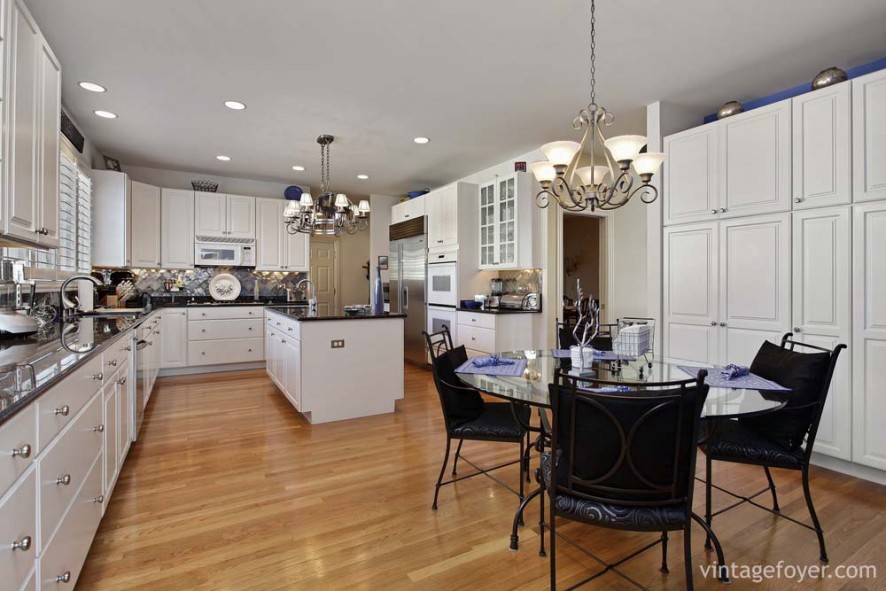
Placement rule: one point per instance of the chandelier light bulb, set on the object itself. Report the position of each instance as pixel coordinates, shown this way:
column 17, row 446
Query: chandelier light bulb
column 625, row 147
column 560, row 153
column 648, row 163
column 543, row 170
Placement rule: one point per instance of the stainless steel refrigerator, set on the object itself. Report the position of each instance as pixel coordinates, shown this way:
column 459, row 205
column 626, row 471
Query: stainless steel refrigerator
column 408, row 264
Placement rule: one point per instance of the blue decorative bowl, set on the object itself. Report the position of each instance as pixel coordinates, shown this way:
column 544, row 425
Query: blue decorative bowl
column 293, row 193
column 419, row 193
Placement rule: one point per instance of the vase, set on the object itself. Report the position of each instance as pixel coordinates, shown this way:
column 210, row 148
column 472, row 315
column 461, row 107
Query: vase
column 581, row 357
column 378, row 298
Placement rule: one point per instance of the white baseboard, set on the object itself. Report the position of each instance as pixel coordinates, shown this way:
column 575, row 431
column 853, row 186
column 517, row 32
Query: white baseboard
column 187, row 371
column 850, row 468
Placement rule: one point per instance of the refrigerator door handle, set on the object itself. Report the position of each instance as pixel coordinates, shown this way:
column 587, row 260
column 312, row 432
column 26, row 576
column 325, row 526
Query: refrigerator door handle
column 405, row 298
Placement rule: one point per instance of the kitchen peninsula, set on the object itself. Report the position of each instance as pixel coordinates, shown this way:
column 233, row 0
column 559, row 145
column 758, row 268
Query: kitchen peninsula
column 332, row 368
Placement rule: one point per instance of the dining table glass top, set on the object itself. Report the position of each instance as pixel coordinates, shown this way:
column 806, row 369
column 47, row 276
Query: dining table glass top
column 541, row 366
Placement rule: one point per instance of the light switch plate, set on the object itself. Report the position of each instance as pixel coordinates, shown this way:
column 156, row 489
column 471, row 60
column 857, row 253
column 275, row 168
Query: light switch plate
column 338, row 343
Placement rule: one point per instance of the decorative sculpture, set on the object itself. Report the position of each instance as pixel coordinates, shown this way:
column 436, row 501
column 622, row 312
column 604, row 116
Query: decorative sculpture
column 586, row 329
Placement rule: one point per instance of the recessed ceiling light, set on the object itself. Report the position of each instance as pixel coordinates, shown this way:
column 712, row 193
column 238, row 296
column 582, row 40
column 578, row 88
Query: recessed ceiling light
column 92, row 87
column 298, row 168
column 362, row 177
column 421, row 140
column 106, row 114
column 235, row 105
column 223, row 158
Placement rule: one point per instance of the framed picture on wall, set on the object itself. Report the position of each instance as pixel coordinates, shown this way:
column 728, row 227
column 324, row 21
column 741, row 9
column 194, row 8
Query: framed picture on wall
column 382, row 262
column 112, row 164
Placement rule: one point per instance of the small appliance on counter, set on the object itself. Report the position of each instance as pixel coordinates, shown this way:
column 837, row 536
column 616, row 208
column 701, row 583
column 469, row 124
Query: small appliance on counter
column 496, row 287
column 521, row 301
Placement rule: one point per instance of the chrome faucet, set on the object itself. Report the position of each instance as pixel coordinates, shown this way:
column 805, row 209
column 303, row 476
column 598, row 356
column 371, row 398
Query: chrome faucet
column 312, row 298
column 69, row 308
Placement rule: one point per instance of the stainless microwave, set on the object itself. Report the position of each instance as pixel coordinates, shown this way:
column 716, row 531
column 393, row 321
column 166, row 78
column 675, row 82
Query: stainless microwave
column 220, row 254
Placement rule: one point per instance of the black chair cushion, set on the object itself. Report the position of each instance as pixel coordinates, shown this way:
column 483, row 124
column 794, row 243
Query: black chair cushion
column 495, row 423
column 460, row 406
column 614, row 515
column 804, row 374
column 733, row 441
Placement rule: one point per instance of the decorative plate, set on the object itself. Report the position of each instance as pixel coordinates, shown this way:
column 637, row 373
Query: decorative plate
column 224, row 287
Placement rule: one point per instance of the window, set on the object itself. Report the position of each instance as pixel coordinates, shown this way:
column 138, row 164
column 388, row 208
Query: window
column 75, row 218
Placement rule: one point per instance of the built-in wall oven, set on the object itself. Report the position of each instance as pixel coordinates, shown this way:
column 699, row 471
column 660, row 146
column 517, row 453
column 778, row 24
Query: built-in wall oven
column 440, row 316
column 443, row 279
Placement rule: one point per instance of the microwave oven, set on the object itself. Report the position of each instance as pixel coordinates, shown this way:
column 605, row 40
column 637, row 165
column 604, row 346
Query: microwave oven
column 220, row 254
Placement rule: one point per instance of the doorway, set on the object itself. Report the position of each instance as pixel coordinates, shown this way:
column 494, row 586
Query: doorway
column 324, row 276
column 583, row 256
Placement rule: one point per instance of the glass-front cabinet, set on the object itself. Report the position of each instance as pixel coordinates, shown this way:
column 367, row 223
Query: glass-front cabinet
column 506, row 222
column 487, row 225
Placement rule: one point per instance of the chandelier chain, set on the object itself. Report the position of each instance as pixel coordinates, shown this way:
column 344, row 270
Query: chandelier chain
column 593, row 52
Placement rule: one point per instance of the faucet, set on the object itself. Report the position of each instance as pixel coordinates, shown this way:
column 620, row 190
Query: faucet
column 312, row 298
column 69, row 308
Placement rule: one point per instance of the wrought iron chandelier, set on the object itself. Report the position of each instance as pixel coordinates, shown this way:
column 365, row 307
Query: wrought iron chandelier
column 604, row 187
column 330, row 214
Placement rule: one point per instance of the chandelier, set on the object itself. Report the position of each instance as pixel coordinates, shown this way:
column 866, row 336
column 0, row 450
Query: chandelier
column 608, row 186
column 330, row 214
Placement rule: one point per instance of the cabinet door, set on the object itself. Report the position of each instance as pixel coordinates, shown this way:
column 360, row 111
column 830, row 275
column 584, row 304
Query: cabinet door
column 270, row 234
column 869, row 137
column 755, row 284
column 145, row 236
column 124, row 406
column 690, row 176
column 175, row 339
column 506, row 222
column 821, row 150
column 821, row 311
column 869, row 335
column 177, row 229
column 210, row 214
column 399, row 212
column 292, row 360
column 241, row 217
column 690, row 292
column 111, row 442
column 487, row 226
column 441, row 207
column 296, row 252
column 755, row 161
column 50, row 127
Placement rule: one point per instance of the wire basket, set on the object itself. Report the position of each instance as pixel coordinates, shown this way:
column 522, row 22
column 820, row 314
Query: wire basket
column 634, row 337
column 205, row 186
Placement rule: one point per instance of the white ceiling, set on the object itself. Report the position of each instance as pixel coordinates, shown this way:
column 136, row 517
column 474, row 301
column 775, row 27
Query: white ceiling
column 486, row 80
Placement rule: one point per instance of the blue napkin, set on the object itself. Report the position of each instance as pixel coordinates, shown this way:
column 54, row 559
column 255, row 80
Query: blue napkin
column 491, row 361
column 611, row 389
column 732, row 371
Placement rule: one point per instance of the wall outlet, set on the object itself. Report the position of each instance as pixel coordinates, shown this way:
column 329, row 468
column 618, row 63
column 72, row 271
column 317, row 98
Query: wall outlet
column 338, row 343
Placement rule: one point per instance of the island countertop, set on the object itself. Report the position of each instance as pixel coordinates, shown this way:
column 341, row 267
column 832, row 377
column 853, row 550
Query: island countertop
column 303, row 314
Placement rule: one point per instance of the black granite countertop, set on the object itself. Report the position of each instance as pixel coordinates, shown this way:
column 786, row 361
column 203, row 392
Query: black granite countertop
column 301, row 313
column 54, row 352
column 499, row 311
column 184, row 301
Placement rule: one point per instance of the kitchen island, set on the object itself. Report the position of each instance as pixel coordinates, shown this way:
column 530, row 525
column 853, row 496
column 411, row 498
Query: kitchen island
column 332, row 368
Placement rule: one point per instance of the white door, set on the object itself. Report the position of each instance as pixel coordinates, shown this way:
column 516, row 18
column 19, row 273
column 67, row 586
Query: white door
column 869, row 335
column 869, row 137
column 241, row 216
column 755, row 161
column 323, row 276
column 177, row 229
column 175, row 339
column 50, row 125
column 821, row 151
column 210, row 214
column 755, row 284
column 821, row 311
column 690, row 292
column 269, row 235
column 145, row 235
column 690, row 176
column 296, row 251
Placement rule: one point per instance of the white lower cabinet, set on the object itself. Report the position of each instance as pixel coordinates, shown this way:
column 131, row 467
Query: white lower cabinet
column 18, row 530
column 483, row 333
column 112, row 439
column 225, row 351
column 175, row 338
column 283, row 352
column 291, row 360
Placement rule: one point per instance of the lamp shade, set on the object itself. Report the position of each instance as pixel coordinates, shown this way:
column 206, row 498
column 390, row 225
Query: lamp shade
column 561, row 153
column 307, row 202
column 599, row 173
column 543, row 171
column 363, row 207
column 291, row 209
column 341, row 201
column 625, row 147
column 648, row 163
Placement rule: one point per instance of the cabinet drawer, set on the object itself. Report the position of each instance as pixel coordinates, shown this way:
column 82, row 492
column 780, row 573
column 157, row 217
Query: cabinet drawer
column 478, row 320
column 70, row 458
column 19, row 436
column 60, row 405
column 207, row 330
column 18, row 524
column 227, row 351
column 225, row 313
column 115, row 356
column 479, row 339
column 285, row 326
column 66, row 552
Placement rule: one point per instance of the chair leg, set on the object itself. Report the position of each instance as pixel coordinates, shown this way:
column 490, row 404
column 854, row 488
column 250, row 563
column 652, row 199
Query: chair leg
column 723, row 572
column 457, row 453
column 687, row 555
column 707, row 498
column 664, row 552
column 772, row 490
column 527, row 454
column 442, row 471
column 541, row 516
column 818, row 531
column 522, row 463
column 552, row 528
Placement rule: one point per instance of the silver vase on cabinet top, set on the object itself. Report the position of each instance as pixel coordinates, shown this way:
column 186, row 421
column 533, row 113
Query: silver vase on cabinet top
column 828, row 77
column 729, row 109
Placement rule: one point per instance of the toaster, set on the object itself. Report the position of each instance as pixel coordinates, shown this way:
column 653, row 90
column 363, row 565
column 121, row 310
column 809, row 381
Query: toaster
column 519, row 301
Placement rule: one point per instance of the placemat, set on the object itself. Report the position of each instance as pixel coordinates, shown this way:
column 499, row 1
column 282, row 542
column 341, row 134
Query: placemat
column 513, row 370
column 601, row 355
column 750, row 382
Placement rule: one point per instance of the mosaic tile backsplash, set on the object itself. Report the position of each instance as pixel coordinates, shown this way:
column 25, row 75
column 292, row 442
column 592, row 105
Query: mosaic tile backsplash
column 196, row 282
column 521, row 280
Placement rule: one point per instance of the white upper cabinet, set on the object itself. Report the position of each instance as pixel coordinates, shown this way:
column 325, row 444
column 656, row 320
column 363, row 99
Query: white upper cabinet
column 690, row 176
column 277, row 249
column 755, row 161
column 241, row 217
column 224, row 216
column 407, row 210
column 869, row 137
column 49, row 101
column 442, row 209
column 177, row 229
column 821, row 149
column 111, row 219
column 296, row 251
column 145, row 239
column 507, row 214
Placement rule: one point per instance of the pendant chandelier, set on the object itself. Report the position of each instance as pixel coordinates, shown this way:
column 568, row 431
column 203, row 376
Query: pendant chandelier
column 329, row 214
column 608, row 186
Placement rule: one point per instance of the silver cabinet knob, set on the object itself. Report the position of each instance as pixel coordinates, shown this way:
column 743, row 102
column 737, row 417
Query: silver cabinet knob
column 714, row 211
column 99, row 429
column 250, row 328
column 722, row 324
column 112, row 363
column 99, row 499
column 65, row 577
column 99, row 376
column 202, row 352
column 23, row 452
column 722, row 210
column 127, row 348
column 798, row 200
column 202, row 330
column 63, row 411
column 798, row 329
column 24, row 544
column 64, row 480
column 121, row 381
column 713, row 323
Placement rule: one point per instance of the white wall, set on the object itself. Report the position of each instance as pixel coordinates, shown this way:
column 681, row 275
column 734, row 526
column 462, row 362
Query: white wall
column 175, row 179
column 379, row 238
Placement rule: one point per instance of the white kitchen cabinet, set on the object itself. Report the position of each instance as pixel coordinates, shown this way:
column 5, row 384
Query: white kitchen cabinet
column 821, row 147
column 218, row 336
column 277, row 249
column 18, row 525
column 145, row 225
column 175, row 338
column 124, row 406
column 690, row 176
column 407, row 210
column 821, row 311
column 442, row 209
column 111, row 219
column 869, row 335
column 489, row 333
column 49, row 102
column 111, row 455
column 506, row 215
column 241, row 217
column 869, row 137
column 176, row 229
column 290, row 359
column 224, row 216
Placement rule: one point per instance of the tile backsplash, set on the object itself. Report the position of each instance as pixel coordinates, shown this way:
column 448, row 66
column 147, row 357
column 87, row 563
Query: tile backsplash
column 521, row 280
column 196, row 281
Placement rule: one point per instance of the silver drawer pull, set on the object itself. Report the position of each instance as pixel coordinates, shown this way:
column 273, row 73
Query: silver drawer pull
column 24, row 544
column 23, row 452
column 121, row 381
column 65, row 577
column 63, row 411
column 250, row 350
column 64, row 480
column 99, row 376
column 250, row 328
column 202, row 330
column 99, row 429
column 112, row 363
column 127, row 348
column 99, row 499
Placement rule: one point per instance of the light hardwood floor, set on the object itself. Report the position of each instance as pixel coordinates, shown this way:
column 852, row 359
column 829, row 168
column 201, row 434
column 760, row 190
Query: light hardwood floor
column 229, row 488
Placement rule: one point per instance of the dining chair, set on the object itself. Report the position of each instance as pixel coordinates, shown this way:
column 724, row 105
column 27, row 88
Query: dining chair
column 468, row 417
column 625, row 460
column 781, row 439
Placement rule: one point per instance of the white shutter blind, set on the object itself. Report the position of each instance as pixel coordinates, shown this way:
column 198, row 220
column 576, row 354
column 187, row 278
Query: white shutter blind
column 67, row 215
column 84, row 223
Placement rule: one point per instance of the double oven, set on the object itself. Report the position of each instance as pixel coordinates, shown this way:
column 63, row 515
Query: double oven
column 442, row 292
